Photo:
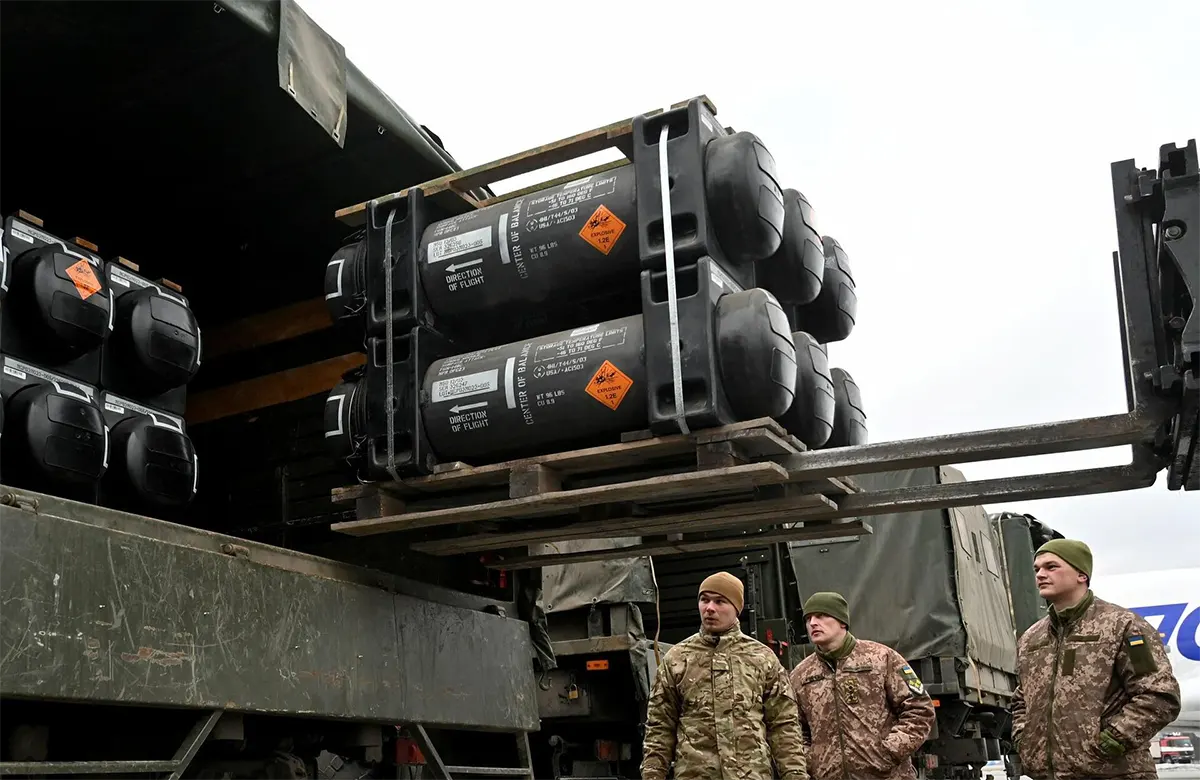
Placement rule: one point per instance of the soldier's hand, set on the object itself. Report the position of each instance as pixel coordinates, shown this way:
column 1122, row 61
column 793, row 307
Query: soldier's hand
column 1110, row 745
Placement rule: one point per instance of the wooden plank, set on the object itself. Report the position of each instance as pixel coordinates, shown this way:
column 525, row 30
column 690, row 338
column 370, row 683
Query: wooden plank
column 545, row 185
column 718, row 454
column 553, row 153
column 341, row 495
column 530, row 160
column 757, row 444
column 690, row 484
column 728, row 516
column 377, row 504
column 269, row 327
column 533, row 479
column 604, row 457
column 796, row 534
column 278, row 388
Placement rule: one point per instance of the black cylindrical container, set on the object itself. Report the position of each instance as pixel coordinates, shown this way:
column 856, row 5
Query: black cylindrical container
column 151, row 464
column 578, row 387
column 849, row 419
column 62, row 301
column 570, row 386
column 546, row 247
column 831, row 316
column 573, row 387
column 794, row 273
column 558, row 248
column 52, row 438
column 157, row 340
column 811, row 416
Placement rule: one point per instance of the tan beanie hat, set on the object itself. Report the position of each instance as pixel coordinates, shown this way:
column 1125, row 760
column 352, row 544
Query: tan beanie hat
column 727, row 585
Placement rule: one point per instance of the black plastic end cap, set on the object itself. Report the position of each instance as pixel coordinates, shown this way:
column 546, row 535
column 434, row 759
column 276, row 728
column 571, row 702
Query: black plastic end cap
column 745, row 201
column 756, row 354
column 811, row 416
column 154, row 463
column 343, row 419
column 345, row 282
column 55, row 436
column 831, row 316
column 849, row 419
column 795, row 272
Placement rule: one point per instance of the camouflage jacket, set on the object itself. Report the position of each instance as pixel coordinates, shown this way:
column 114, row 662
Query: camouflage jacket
column 721, row 707
column 862, row 715
column 1096, row 667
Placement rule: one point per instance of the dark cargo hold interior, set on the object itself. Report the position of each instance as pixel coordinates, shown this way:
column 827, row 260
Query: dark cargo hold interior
column 160, row 133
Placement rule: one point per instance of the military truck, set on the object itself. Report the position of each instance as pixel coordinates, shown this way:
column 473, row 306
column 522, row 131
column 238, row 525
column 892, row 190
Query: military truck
column 215, row 157
column 950, row 589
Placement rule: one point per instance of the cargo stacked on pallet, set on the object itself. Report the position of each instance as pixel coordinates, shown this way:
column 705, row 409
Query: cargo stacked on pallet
column 96, row 364
column 564, row 317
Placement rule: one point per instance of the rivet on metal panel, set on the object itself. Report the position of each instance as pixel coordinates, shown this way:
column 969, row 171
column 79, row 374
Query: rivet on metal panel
column 19, row 501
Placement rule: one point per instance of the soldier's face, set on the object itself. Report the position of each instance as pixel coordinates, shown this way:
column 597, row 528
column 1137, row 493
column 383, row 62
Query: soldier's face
column 824, row 631
column 717, row 613
column 1055, row 577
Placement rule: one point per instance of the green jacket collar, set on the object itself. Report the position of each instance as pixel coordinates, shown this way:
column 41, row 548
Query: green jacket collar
column 1063, row 620
column 833, row 656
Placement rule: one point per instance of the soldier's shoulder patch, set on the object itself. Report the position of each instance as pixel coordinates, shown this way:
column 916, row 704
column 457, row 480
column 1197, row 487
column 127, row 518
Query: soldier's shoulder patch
column 912, row 680
column 1141, row 658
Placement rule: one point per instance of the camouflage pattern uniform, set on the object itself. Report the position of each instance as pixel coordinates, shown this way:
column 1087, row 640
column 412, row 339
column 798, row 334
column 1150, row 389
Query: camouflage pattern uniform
column 721, row 707
column 1093, row 668
column 863, row 712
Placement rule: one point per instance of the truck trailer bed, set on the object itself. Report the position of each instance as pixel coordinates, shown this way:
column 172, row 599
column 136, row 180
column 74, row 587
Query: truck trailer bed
column 107, row 607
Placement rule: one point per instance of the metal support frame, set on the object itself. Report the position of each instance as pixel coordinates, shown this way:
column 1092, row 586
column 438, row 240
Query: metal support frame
column 176, row 766
column 1158, row 272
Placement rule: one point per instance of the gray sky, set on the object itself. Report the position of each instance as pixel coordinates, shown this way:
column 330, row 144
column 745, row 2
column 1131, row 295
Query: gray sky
column 959, row 152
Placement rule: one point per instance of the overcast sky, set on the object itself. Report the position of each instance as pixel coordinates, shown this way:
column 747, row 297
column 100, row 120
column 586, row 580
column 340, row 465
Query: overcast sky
column 959, row 152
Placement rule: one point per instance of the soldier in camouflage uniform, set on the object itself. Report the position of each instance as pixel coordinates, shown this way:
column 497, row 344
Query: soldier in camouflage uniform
column 863, row 710
column 721, row 706
column 1095, row 681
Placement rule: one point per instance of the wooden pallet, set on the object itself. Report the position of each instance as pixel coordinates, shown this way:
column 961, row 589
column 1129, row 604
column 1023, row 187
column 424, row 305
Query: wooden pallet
column 452, row 192
column 806, row 531
column 643, row 485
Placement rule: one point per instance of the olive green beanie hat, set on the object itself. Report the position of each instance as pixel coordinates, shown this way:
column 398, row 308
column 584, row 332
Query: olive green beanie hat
column 828, row 603
column 1073, row 551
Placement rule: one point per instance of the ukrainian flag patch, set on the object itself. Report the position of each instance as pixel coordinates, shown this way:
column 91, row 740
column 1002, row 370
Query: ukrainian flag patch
column 1141, row 657
column 912, row 681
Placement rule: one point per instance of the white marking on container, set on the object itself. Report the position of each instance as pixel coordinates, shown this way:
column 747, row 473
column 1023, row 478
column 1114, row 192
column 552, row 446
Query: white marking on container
column 510, row 394
column 465, row 243
column 502, row 226
column 455, row 387
column 341, row 402
column 341, row 264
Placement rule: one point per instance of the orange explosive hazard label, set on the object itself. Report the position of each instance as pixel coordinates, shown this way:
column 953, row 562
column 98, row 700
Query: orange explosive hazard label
column 602, row 229
column 84, row 278
column 609, row 385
